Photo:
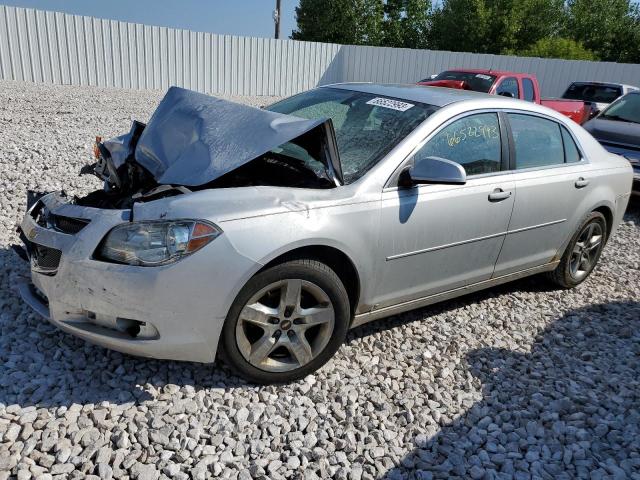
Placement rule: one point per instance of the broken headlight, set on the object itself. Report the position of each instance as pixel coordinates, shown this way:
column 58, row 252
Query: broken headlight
column 156, row 243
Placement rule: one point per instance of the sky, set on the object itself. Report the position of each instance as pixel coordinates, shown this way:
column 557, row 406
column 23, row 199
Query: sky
column 236, row 17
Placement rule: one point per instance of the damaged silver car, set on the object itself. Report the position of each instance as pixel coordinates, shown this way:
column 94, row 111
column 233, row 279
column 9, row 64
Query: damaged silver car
column 263, row 236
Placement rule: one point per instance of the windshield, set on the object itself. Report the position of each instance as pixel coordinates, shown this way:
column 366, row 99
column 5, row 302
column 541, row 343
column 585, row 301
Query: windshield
column 478, row 82
column 588, row 92
column 626, row 109
column 367, row 126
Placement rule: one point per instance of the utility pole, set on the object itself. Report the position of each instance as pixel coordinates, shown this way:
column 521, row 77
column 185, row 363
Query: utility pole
column 276, row 18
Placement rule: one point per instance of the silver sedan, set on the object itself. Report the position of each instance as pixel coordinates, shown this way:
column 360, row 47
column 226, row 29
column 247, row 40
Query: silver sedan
column 263, row 236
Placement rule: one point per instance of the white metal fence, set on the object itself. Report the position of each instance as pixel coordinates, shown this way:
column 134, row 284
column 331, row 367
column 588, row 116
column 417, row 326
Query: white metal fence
column 53, row 47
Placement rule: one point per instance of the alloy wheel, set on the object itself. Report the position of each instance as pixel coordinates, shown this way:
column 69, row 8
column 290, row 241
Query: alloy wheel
column 586, row 251
column 285, row 325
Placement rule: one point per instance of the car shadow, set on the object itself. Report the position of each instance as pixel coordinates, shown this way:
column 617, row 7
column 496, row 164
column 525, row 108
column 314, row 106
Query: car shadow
column 567, row 408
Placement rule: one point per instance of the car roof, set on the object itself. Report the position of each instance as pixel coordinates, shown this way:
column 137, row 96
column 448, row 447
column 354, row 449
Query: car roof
column 496, row 73
column 436, row 96
column 608, row 84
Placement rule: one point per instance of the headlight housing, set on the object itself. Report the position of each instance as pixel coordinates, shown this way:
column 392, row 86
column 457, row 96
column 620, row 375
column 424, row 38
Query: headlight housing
column 154, row 243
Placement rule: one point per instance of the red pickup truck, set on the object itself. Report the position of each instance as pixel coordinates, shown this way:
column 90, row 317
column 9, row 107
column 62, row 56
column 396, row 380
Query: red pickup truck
column 509, row 84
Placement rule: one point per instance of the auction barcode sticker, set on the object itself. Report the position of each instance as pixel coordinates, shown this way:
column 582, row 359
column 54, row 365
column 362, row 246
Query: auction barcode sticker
column 392, row 104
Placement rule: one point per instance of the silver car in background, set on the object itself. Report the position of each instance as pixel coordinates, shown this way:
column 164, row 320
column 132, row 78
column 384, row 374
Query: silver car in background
column 265, row 235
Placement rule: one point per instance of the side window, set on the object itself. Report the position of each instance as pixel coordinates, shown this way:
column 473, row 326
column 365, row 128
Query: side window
column 538, row 142
column 473, row 142
column 571, row 152
column 509, row 86
column 527, row 90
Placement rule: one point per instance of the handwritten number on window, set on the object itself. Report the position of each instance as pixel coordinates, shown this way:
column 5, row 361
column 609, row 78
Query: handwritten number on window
column 485, row 132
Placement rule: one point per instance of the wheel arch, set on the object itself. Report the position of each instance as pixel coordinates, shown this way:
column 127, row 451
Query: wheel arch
column 607, row 212
column 335, row 259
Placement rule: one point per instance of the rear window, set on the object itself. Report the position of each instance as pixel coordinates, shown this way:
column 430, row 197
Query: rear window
column 589, row 92
column 478, row 82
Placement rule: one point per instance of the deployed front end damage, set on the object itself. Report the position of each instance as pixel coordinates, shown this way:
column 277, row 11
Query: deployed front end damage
column 194, row 141
column 78, row 247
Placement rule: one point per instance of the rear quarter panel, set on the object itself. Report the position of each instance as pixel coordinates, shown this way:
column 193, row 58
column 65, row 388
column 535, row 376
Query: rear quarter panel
column 611, row 178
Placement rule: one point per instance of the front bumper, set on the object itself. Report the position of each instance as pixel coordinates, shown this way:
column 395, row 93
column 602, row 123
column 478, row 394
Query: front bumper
column 171, row 312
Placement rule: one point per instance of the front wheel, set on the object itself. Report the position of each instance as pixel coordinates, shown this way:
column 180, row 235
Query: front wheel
column 286, row 322
column 582, row 253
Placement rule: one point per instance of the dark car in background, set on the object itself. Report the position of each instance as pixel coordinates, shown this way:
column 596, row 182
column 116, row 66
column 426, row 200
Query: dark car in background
column 617, row 128
column 599, row 94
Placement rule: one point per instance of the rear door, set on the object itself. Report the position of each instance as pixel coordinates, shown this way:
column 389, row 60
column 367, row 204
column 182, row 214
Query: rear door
column 551, row 179
column 439, row 237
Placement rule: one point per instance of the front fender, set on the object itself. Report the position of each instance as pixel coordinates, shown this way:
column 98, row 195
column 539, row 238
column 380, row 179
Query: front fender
column 351, row 229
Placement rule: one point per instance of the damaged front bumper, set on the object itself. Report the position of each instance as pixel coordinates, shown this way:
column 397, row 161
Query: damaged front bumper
column 172, row 312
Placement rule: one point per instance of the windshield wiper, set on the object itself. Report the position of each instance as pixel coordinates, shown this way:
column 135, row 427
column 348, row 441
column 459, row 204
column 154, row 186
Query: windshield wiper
column 617, row 118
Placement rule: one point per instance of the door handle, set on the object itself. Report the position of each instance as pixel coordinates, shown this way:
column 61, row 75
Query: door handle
column 581, row 182
column 498, row 195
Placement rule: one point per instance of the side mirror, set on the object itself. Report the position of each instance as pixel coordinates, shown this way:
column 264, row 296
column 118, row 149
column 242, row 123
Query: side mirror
column 434, row 170
column 507, row 94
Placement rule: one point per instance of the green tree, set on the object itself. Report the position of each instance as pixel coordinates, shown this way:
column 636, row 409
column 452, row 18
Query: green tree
column 557, row 47
column 605, row 29
column 610, row 28
column 350, row 22
column 460, row 26
column 390, row 23
column 406, row 23
column 494, row 26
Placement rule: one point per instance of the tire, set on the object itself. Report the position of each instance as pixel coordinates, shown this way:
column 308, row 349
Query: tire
column 286, row 322
column 571, row 271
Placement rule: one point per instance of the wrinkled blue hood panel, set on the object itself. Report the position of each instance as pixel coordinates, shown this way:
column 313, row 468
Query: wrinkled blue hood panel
column 192, row 138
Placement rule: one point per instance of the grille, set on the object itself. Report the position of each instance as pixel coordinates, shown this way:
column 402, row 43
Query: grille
column 45, row 257
column 68, row 224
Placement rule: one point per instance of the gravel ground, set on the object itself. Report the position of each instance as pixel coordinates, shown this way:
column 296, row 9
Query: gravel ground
column 521, row 381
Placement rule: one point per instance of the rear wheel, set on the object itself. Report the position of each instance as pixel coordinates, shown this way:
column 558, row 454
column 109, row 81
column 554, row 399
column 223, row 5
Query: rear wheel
column 582, row 253
column 286, row 322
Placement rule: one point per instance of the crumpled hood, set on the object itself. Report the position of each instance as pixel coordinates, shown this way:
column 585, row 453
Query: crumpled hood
column 193, row 139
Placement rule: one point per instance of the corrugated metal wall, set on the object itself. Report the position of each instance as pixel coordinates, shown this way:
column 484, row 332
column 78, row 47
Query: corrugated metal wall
column 53, row 47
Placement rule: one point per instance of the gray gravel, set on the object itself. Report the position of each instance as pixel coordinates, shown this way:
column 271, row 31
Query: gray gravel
column 521, row 381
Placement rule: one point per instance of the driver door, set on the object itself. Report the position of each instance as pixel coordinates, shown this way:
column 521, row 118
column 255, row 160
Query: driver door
column 436, row 238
